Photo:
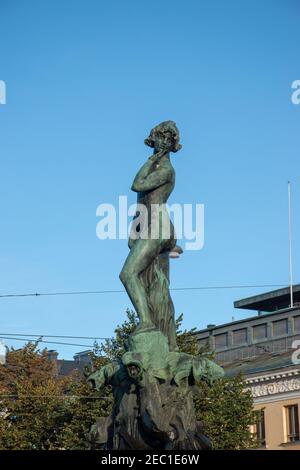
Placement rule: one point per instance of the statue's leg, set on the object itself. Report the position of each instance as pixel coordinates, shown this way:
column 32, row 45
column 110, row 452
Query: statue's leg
column 141, row 255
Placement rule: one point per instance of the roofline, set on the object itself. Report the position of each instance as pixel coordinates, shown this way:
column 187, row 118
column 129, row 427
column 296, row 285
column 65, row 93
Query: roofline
column 267, row 373
column 248, row 302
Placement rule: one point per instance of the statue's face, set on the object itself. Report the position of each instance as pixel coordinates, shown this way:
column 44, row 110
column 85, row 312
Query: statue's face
column 133, row 371
column 163, row 140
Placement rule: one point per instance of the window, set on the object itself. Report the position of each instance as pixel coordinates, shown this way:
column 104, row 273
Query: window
column 280, row 327
column 259, row 427
column 203, row 342
column 292, row 423
column 297, row 323
column 260, row 331
column 221, row 341
column 240, row 336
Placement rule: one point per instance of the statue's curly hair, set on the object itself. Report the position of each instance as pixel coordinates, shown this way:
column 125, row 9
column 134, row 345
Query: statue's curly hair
column 169, row 126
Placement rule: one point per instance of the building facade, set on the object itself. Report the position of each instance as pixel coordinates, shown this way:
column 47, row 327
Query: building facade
column 265, row 348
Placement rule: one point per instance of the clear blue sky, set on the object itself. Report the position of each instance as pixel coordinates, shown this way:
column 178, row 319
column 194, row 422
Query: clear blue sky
column 86, row 80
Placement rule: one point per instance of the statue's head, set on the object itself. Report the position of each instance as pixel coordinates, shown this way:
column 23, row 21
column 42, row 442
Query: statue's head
column 165, row 136
column 135, row 364
column 134, row 371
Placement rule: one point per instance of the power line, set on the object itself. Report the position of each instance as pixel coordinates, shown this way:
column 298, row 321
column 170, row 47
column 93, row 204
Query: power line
column 117, row 291
column 53, row 336
column 48, row 342
column 54, row 396
column 228, row 287
column 12, row 397
column 43, row 294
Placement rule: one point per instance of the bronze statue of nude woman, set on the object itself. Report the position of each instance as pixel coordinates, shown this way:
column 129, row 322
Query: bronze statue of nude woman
column 155, row 236
column 153, row 383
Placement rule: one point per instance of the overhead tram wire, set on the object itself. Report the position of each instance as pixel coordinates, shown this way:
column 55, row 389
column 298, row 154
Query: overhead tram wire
column 48, row 342
column 44, row 294
column 118, row 291
column 54, row 336
column 12, row 336
column 65, row 397
column 54, row 396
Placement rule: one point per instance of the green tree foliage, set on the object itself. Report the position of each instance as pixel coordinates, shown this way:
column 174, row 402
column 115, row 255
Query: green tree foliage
column 114, row 348
column 41, row 410
column 84, row 409
column 226, row 411
column 32, row 400
column 226, row 408
column 93, row 404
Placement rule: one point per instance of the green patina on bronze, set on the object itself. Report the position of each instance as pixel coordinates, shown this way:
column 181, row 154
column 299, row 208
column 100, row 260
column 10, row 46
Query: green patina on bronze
column 145, row 274
column 153, row 384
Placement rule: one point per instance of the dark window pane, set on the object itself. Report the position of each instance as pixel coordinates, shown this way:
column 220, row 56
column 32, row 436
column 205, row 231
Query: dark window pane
column 260, row 429
column 240, row 336
column 292, row 423
column 260, row 331
column 203, row 342
column 297, row 323
column 280, row 327
column 221, row 341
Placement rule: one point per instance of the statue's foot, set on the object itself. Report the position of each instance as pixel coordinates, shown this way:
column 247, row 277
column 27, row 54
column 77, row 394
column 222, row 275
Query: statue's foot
column 144, row 326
